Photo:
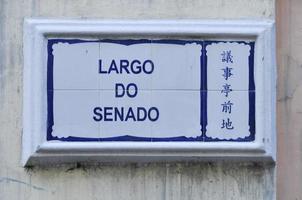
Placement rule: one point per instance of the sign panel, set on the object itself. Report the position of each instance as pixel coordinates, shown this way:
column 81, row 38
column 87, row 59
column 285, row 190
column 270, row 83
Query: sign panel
column 150, row 90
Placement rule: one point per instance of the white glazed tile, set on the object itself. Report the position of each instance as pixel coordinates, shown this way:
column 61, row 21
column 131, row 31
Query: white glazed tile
column 179, row 114
column 118, row 127
column 175, row 66
column 75, row 66
column 238, row 118
column 110, row 52
column 239, row 68
column 73, row 114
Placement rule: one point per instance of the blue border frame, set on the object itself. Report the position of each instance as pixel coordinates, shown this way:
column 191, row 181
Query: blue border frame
column 203, row 93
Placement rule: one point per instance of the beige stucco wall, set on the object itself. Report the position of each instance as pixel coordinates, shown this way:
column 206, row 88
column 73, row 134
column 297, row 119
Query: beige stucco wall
column 216, row 180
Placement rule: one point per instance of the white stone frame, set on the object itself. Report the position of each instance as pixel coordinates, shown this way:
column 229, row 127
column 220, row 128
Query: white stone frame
column 35, row 148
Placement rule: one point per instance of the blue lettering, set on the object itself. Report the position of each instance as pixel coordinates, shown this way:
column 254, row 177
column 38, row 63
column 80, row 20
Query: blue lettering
column 134, row 90
column 122, row 90
column 100, row 68
column 132, row 114
column 98, row 112
column 107, row 113
column 119, row 113
column 151, row 65
column 141, row 114
column 113, row 67
column 125, row 66
column 154, row 118
column 137, row 69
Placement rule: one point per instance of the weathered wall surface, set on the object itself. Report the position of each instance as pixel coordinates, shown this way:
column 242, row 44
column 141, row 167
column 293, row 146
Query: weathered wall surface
column 130, row 181
column 289, row 105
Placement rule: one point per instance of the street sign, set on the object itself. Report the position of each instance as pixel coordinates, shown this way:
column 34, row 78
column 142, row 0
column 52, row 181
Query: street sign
column 107, row 91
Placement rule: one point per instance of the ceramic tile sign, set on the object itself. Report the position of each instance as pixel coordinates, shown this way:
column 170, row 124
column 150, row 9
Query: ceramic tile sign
column 150, row 90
